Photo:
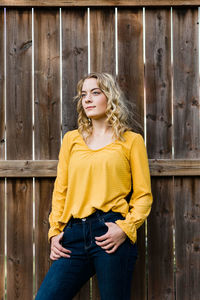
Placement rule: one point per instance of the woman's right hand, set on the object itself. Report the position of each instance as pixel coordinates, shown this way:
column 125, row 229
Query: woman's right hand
column 57, row 250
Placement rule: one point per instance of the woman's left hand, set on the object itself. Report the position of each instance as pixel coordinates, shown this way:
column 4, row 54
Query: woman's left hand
column 112, row 239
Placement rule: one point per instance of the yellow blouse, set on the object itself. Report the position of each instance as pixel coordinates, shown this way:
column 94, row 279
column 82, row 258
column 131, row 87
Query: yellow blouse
column 101, row 179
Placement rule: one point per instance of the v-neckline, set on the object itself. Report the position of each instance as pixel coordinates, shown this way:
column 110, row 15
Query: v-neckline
column 99, row 149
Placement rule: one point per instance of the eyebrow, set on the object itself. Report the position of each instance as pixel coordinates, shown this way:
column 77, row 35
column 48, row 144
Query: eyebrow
column 92, row 89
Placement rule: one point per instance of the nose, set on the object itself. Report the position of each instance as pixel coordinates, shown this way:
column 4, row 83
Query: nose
column 88, row 98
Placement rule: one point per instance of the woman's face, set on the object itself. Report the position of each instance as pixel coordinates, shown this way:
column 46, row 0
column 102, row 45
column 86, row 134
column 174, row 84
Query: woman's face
column 94, row 101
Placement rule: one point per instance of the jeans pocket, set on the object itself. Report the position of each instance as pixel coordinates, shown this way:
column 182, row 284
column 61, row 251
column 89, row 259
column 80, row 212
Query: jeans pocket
column 112, row 217
column 67, row 236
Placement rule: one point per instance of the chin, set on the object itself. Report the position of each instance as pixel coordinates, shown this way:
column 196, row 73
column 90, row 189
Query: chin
column 92, row 115
column 97, row 117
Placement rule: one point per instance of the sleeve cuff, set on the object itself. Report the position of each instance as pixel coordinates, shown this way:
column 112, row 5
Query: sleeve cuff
column 53, row 232
column 129, row 229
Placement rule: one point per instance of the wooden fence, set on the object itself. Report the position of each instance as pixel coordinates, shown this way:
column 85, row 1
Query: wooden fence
column 43, row 53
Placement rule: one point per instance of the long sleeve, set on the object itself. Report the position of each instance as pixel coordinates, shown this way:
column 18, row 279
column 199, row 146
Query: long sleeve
column 141, row 199
column 60, row 188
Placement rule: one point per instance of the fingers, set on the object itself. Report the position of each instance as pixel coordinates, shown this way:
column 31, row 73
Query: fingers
column 102, row 237
column 113, row 238
column 55, row 254
column 57, row 250
column 104, row 243
column 60, row 248
column 112, row 250
column 108, row 246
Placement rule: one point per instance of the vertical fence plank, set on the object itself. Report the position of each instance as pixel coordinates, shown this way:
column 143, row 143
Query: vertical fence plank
column 160, row 241
column 130, row 57
column 47, row 124
column 43, row 195
column 159, row 145
column 2, row 157
column 186, row 83
column 187, row 208
column 74, row 67
column 158, row 82
column 19, row 103
column 2, row 109
column 102, row 40
column 74, row 61
column 186, row 145
column 19, row 146
column 131, row 80
column 47, row 83
column 19, row 239
column 2, row 239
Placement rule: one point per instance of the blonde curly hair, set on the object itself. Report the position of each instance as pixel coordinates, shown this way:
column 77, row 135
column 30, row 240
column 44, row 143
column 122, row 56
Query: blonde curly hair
column 117, row 112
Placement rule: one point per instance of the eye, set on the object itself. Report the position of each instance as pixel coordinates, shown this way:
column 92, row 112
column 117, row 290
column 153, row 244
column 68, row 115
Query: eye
column 96, row 93
column 83, row 96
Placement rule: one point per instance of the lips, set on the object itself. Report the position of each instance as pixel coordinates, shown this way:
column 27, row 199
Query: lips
column 90, row 107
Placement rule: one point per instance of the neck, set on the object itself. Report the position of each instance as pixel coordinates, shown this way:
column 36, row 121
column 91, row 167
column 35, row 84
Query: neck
column 100, row 127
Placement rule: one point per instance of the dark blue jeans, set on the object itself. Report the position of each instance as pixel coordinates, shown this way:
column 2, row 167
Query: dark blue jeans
column 114, row 271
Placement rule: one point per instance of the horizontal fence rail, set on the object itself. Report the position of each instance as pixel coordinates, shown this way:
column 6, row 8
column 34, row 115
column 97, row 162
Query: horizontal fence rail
column 91, row 3
column 47, row 168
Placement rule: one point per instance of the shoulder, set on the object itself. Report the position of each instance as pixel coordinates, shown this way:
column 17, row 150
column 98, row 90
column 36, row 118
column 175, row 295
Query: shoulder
column 133, row 137
column 135, row 143
column 70, row 135
column 69, row 138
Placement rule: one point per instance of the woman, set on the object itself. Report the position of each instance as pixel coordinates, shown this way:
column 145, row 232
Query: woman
column 92, row 223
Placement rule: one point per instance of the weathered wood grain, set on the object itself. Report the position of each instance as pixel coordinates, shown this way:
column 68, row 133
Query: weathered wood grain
column 131, row 80
column 160, row 240
column 174, row 167
column 186, row 145
column 47, row 83
column 47, row 168
column 19, row 145
column 2, row 239
column 187, row 220
column 2, row 157
column 186, row 83
column 74, row 61
column 18, row 90
column 98, row 2
column 158, row 80
column 47, row 124
column 2, row 99
column 28, row 168
column 130, row 60
column 19, row 239
column 43, row 195
column 102, row 40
